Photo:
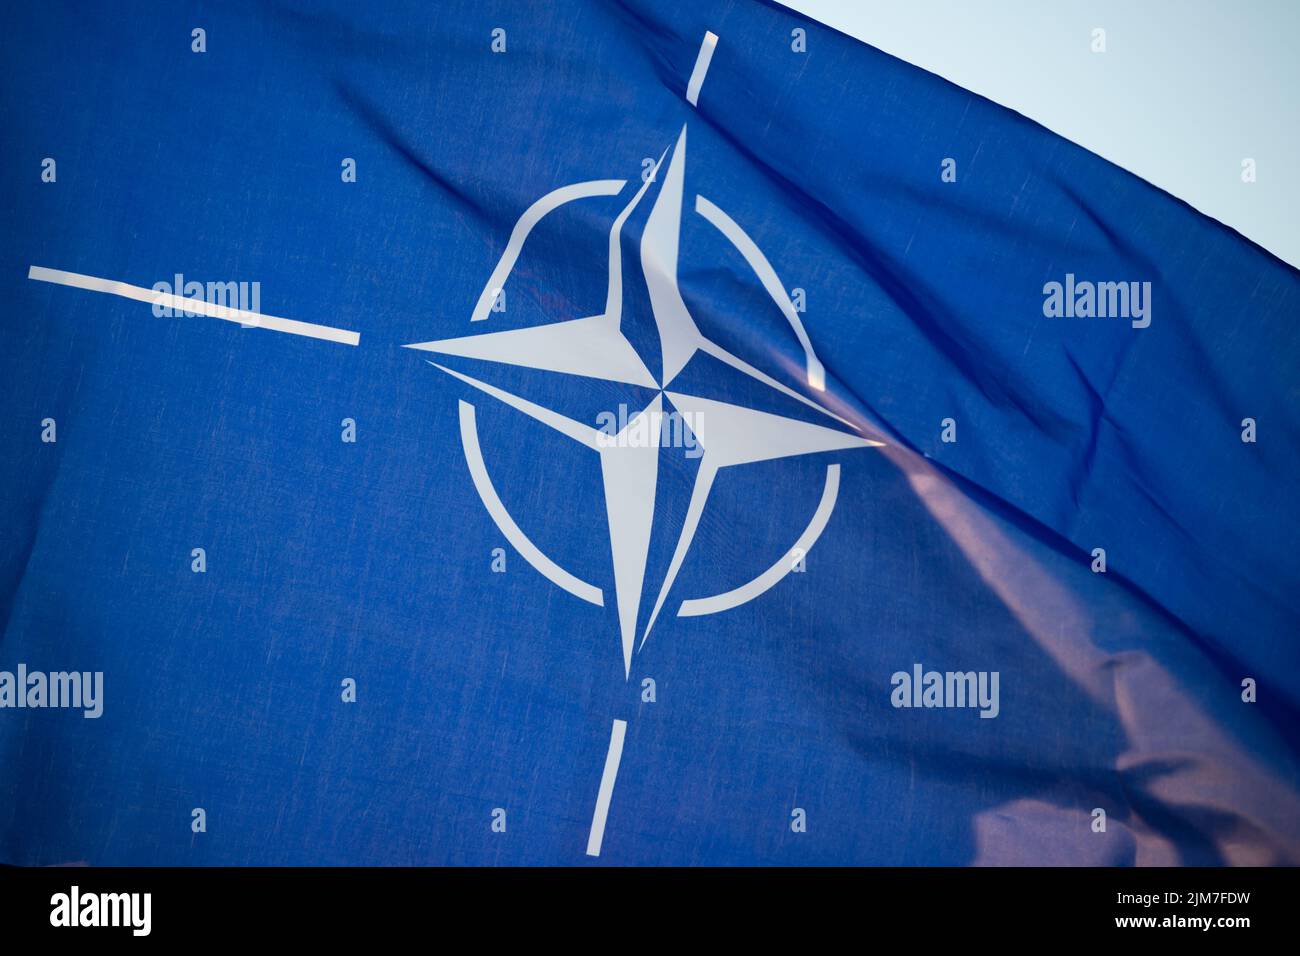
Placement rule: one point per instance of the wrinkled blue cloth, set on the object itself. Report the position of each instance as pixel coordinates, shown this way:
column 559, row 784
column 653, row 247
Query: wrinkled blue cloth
column 915, row 228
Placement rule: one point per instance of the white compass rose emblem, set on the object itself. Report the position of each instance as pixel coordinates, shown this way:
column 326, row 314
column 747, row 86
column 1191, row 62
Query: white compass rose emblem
column 595, row 347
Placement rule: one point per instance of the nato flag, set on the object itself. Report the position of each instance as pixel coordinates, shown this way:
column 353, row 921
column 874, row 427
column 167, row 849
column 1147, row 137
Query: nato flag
column 619, row 432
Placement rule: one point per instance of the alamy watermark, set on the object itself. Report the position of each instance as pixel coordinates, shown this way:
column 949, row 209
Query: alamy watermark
column 922, row 688
column 130, row 910
column 234, row 296
column 628, row 429
column 1103, row 300
column 83, row 690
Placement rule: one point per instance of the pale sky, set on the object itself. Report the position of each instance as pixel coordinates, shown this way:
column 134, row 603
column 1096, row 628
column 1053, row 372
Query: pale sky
column 1184, row 92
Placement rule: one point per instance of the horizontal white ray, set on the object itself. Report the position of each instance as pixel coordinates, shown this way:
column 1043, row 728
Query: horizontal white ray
column 735, row 435
column 593, row 347
column 174, row 302
column 579, row 432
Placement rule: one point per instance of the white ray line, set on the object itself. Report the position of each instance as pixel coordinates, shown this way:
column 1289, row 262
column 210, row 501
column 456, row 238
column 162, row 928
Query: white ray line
column 722, row 355
column 579, row 432
column 614, row 293
column 767, row 275
column 606, row 791
column 708, row 471
column 701, row 67
column 784, row 565
column 514, row 534
column 167, row 299
column 630, row 472
column 531, row 217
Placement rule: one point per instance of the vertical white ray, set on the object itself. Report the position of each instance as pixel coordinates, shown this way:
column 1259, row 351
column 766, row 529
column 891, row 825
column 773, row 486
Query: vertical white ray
column 701, row 70
column 605, row 794
column 678, row 335
column 614, row 297
column 699, row 496
column 629, row 465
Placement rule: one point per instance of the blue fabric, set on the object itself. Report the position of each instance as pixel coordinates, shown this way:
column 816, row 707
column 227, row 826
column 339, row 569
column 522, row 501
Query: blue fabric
column 372, row 560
